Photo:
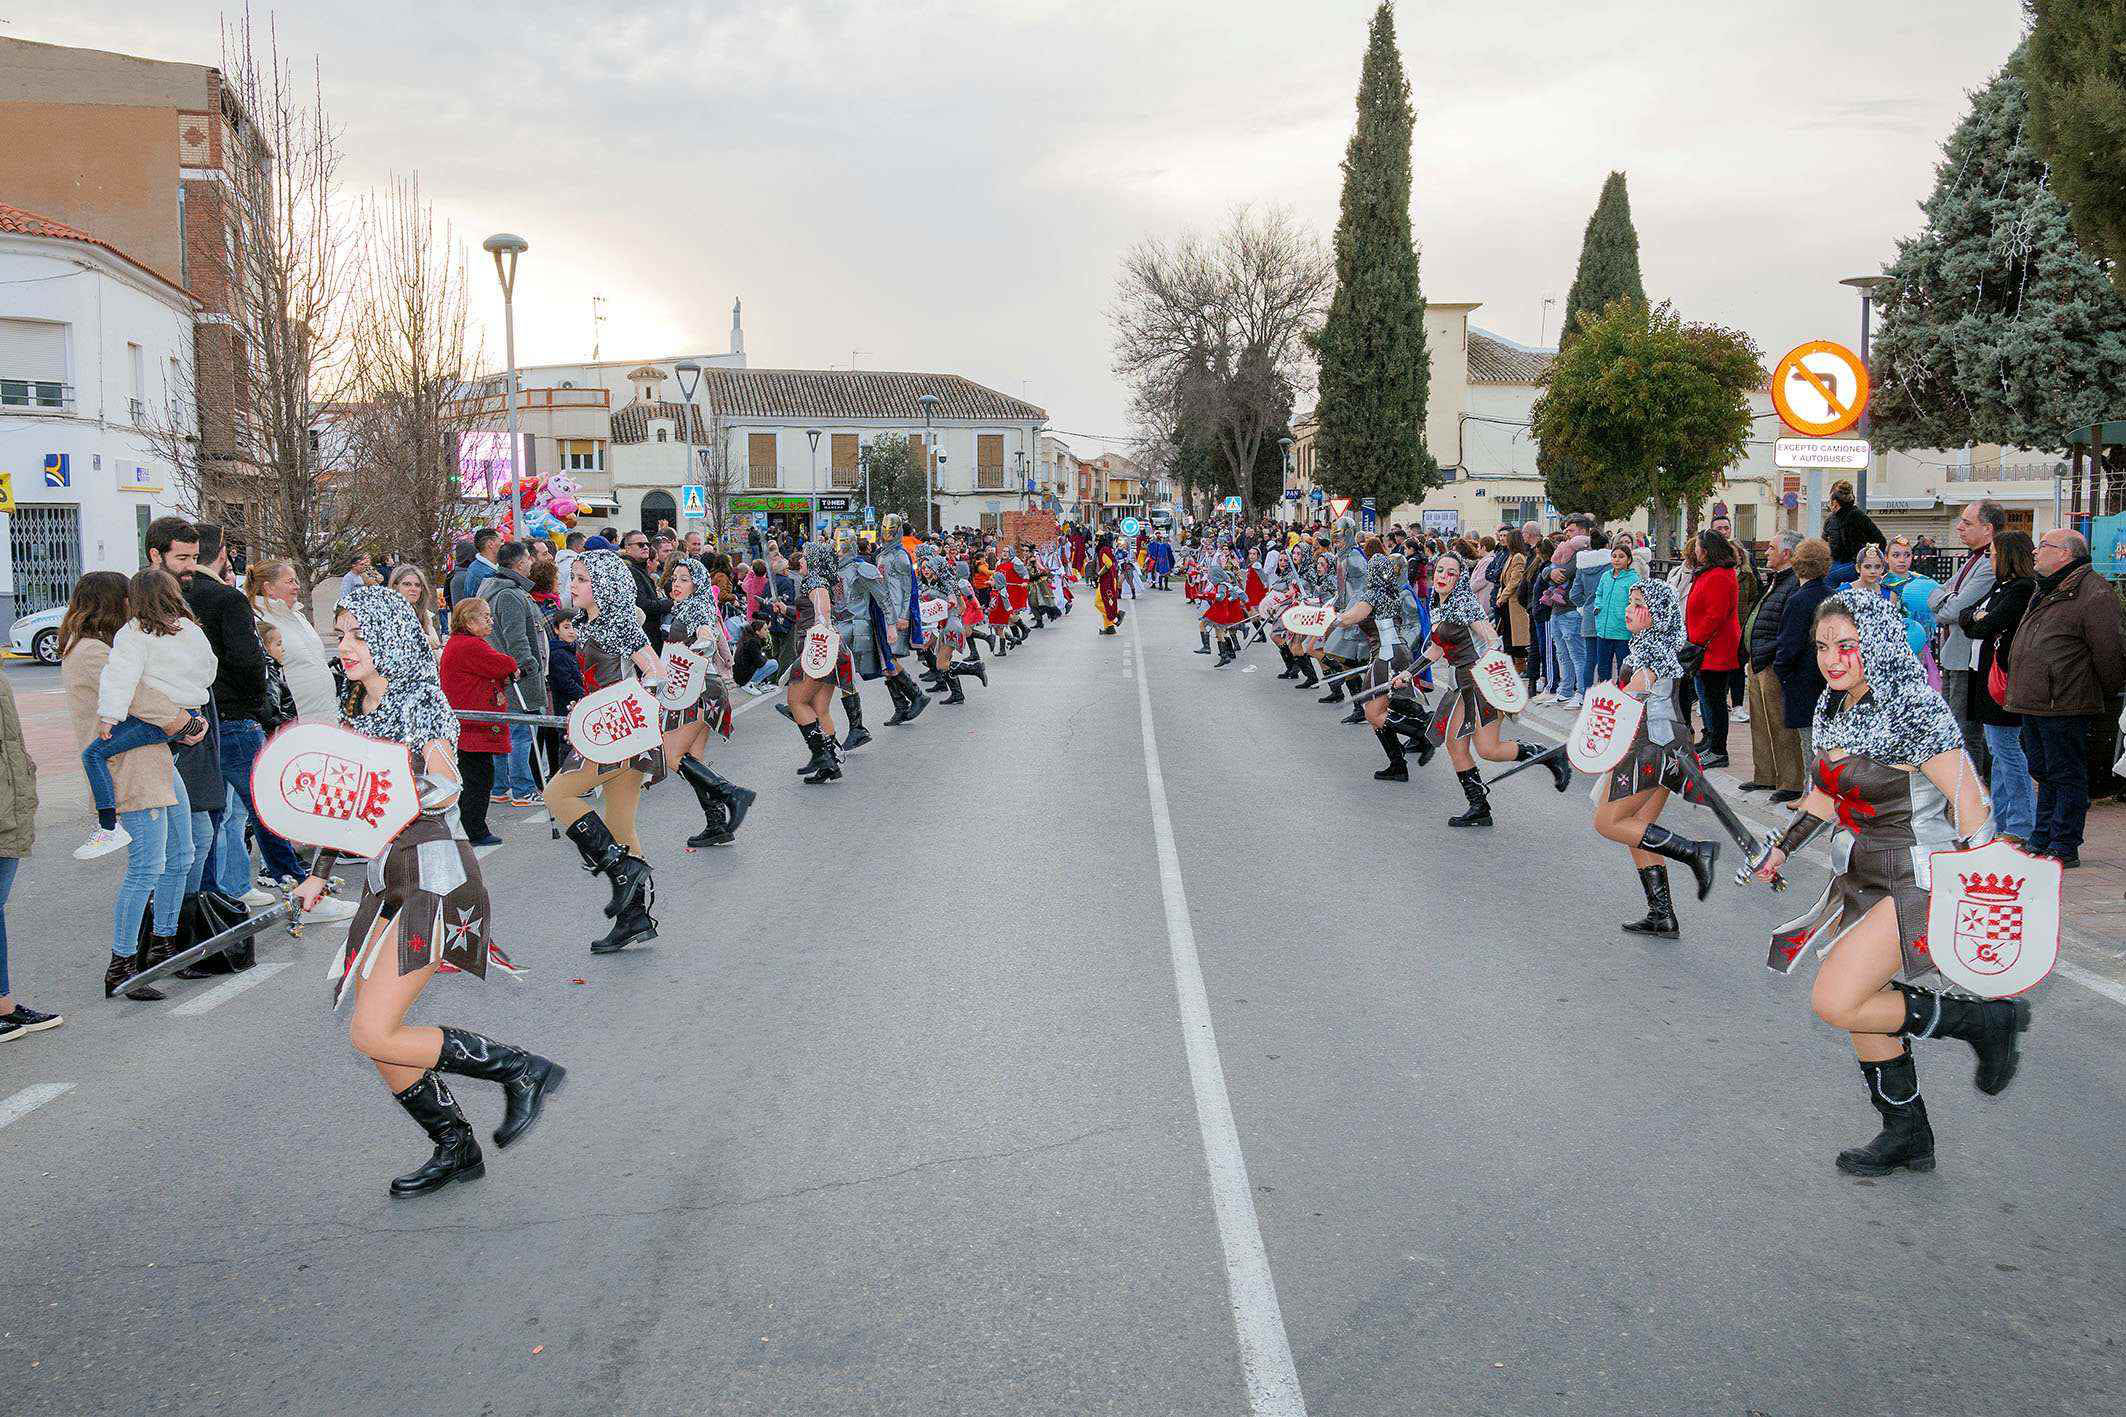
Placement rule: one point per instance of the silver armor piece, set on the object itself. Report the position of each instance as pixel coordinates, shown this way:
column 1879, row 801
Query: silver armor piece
column 1348, row 641
column 899, row 574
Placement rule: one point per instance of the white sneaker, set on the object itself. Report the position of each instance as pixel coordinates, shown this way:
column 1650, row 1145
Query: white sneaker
column 258, row 897
column 1740, row 715
column 1573, row 702
column 330, row 911
column 102, row 842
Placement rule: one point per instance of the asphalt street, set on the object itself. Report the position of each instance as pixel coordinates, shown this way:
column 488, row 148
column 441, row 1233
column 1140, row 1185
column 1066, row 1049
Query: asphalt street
column 908, row 1111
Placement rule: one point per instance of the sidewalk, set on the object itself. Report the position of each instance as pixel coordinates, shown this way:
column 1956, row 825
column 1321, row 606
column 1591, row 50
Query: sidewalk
column 2092, row 897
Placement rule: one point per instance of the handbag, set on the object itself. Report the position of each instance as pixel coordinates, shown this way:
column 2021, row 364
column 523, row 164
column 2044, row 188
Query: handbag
column 1691, row 657
column 1997, row 682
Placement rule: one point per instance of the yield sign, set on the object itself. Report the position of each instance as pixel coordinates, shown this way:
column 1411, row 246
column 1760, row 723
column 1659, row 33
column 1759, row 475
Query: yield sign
column 1820, row 388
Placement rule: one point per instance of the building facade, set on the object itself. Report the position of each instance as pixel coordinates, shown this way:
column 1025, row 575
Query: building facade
column 93, row 353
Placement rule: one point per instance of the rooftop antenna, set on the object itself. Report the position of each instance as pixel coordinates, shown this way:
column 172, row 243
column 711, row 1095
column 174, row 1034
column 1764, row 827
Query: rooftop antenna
column 1544, row 330
column 597, row 324
column 853, row 356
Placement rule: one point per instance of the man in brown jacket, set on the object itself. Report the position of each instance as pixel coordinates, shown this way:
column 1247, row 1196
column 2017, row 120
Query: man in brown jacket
column 2069, row 659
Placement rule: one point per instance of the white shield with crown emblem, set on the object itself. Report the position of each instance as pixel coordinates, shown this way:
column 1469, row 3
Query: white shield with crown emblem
column 1993, row 922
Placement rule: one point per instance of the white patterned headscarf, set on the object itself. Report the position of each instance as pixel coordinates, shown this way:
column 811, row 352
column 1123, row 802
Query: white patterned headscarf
column 1461, row 607
column 1656, row 648
column 697, row 611
column 413, row 710
column 1901, row 719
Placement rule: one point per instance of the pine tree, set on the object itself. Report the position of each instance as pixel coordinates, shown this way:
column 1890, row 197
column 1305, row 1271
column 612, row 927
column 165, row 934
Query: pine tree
column 2075, row 69
column 1609, row 260
column 1997, row 327
column 1375, row 371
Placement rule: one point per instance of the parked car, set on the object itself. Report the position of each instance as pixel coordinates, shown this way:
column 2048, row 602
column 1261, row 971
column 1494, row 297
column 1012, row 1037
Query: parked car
column 38, row 635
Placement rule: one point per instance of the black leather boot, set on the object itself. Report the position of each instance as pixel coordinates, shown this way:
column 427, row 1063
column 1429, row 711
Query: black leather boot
column 1700, row 856
column 914, row 700
column 1335, row 694
column 1306, row 669
column 952, row 691
column 1479, row 813
column 1291, row 665
column 634, row 926
column 1398, row 768
column 899, row 696
column 830, row 765
column 157, row 949
column 976, row 667
column 1660, row 919
column 527, row 1079
column 1906, row 1139
column 1226, row 653
column 1560, row 770
column 715, row 828
column 1990, row 1026
column 1356, row 715
column 858, row 735
column 737, row 800
column 1205, row 635
column 821, row 745
column 457, row 1154
column 1411, row 726
column 629, row 875
column 122, row 968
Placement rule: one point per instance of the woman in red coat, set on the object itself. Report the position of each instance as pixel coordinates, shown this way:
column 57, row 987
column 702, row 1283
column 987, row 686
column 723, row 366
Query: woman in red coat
column 475, row 675
column 1711, row 620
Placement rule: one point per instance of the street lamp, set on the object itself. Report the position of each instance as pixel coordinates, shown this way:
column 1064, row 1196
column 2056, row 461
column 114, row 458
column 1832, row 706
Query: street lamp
column 1867, row 286
column 689, row 374
column 812, row 437
column 1284, row 446
column 503, row 244
column 930, row 463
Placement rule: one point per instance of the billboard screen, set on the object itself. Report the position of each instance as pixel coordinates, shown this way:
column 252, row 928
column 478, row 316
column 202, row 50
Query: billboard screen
column 483, row 464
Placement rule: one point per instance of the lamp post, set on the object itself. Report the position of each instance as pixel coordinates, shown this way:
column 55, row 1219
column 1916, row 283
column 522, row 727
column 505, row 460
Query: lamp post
column 689, row 374
column 1284, row 446
column 812, row 437
column 1867, row 286
column 931, row 515
column 502, row 244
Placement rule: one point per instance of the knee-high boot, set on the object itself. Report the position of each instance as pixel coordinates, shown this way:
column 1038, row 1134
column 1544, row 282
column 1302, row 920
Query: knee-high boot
column 1554, row 759
column 457, row 1154
column 1660, row 918
column 1479, row 813
column 1906, row 1139
column 817, row 740
column 952, row 690
column 1398, row 768
column 825, row 755
column 913, row 700
column 1291, row 667
column 858, row 735
column 1306, row 669
column 1204, row 633
column 1700, row 856
column 629, row 875
column 527, row 1079
column 978, row 668
column 716, row 825
column 1991, row 1026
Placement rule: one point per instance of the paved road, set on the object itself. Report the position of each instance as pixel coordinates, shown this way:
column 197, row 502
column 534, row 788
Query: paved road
column 899, row 1116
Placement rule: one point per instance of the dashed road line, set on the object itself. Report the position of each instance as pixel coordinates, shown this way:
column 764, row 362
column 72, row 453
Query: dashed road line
column 14, row 1108
column 222, row 993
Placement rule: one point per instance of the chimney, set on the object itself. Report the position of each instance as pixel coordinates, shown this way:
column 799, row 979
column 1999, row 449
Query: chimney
column 738, row 330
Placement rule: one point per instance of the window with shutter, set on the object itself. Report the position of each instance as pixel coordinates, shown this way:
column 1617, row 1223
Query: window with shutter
column 989, row 460
column 844, row 461
column 760, row 460
column 33, row 364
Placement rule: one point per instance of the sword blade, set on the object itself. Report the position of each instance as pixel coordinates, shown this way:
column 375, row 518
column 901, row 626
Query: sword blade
column 1734, row 826
column 1546, row 756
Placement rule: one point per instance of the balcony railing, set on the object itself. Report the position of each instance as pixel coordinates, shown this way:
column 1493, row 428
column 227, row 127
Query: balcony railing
column 532, row 401
column 38, row 395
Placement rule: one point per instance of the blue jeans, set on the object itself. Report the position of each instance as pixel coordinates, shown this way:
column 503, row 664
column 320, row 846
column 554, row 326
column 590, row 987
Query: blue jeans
column 1608, row 654
column 203, row 839
column 8, row 866
column 1571, row 648
column 765, row 672
column 241, row 741
column 126, row 734
column 519, row 776
column 158, row 864
column 2014, row 793
column 2058, row 750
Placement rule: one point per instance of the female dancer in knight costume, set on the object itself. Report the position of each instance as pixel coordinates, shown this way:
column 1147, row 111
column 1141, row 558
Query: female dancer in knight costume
column 1381, row 613
column 1892, row 781
column 615, row 648
column 1463, row 715
column 696, row 623
column 1630, row 796
column 810, row 700
column 423, row 902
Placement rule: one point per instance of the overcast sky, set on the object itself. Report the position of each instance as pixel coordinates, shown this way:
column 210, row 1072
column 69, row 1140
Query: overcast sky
column 948, row 186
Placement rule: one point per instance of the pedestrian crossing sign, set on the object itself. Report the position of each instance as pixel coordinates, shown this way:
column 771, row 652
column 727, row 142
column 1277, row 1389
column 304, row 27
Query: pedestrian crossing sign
column 694, row 502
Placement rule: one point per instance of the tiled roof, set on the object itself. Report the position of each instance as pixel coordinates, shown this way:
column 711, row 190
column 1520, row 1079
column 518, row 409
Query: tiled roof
column 14, row 221
column 631, row 424
column 867, row 395
column 1493, row 360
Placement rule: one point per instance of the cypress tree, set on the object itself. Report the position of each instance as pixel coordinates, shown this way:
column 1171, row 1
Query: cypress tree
column 2075, row 69
column 1997, row 327
column 1375, row 370
column 1609, row 260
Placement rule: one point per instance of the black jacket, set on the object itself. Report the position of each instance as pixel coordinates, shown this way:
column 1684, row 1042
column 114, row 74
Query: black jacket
column 653, row 606
column 232, row 631
column 1765, row 621
column 1849, row 529
column 1991, row 624
column 1800, row 682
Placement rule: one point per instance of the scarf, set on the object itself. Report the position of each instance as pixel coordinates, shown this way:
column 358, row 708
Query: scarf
column 413, row 710
column 1655, row 648
column 698, row 611
column 1901, row 720
column 617, row 628
column 1462, row 607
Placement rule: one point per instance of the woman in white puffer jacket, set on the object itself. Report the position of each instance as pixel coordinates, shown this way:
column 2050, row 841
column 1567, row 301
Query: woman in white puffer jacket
column 276, row 596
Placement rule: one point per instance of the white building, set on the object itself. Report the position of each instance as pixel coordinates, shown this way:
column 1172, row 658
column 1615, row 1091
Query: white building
column 93, row 348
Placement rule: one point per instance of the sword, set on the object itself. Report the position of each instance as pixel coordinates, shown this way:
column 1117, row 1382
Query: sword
column 1348, row 673
column 1548, row 755
column 1736, row 830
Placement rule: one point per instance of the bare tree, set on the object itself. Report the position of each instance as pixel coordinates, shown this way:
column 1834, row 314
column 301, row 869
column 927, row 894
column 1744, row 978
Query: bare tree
column 1212, row 335
column 415, row 350
column 262, row 465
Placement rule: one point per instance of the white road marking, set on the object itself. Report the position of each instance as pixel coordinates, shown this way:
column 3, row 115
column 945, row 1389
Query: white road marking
column 2096, row 983
column 1258, row 1322
column 30, row 1099
column 222, row 993
column 481, row 853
